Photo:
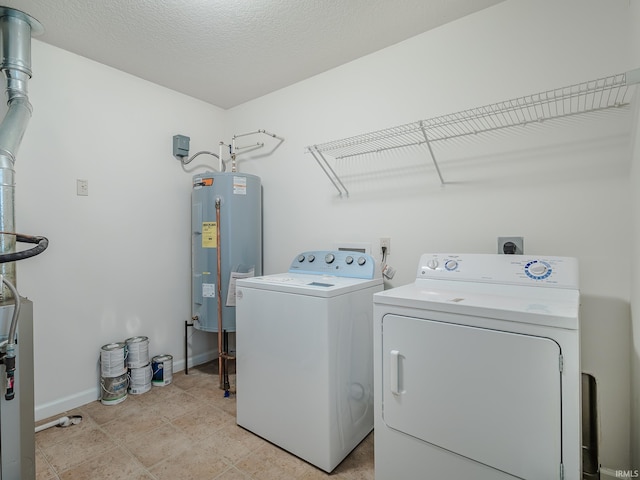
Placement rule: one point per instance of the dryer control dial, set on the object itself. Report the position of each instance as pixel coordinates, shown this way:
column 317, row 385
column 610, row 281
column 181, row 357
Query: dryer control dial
column 432, row 264
column 301, row 258
column 362, row 261
column 451, row 264
column 329, row 257
column 349, row 260
column 537, row 270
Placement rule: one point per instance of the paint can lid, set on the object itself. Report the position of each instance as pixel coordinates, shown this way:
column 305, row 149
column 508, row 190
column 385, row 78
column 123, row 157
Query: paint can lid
column 136, row 340
column 161, row 358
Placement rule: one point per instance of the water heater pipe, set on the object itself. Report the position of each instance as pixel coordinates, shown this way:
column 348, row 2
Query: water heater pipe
column 221, row 166
column 16, row 29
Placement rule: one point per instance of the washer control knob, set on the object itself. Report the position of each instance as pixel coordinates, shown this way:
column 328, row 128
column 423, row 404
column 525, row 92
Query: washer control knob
column 311, row 258
column 300, row 258
column 362, row 260
column 451, row 265
column 349, row 260
column 432, row 264
column 538, row 269
column 329, row 257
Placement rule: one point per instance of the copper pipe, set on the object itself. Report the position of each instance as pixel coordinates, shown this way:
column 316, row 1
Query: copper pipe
column 219, row 293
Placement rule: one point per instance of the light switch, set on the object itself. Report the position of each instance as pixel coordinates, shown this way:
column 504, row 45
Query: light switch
column 82, row 187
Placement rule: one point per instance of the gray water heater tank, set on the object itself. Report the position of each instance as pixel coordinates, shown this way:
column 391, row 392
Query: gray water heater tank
column 236, row 230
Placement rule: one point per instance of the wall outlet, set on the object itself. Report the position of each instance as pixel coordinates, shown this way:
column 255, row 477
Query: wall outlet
column 386, row 244
column 511, row 245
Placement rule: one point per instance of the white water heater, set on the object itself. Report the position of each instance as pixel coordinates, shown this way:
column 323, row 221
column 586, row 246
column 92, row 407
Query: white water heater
column 226, row 233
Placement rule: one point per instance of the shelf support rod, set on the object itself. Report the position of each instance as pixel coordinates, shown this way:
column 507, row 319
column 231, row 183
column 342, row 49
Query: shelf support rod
column 433, row 157
column 329, row 172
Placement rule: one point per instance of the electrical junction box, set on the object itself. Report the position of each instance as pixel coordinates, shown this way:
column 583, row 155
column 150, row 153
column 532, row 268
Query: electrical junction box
column 180, row 146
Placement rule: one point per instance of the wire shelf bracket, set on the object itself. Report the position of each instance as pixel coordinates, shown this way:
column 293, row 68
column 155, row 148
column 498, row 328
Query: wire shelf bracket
column 604, row 93
column 329, row 172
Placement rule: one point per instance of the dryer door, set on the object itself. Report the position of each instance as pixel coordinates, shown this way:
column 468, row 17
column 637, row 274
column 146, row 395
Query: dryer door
column 491, row 396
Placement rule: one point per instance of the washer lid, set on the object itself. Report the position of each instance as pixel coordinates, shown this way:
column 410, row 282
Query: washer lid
column 308, row 284
column 553, row 307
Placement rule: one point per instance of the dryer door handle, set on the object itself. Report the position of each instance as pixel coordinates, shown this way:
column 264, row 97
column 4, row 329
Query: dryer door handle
column 394, row 374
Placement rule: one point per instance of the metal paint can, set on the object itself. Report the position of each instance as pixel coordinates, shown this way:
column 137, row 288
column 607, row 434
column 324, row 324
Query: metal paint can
column 113, row 389
column 112, row 359
column 137, row 352
column 162, row 366
column 140, row 379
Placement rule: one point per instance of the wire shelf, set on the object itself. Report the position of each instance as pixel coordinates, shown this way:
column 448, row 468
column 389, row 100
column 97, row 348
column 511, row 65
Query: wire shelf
column 600, row 94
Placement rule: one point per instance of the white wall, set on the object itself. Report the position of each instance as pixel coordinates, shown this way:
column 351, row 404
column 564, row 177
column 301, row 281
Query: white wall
column 564, row 187
column 118, row 262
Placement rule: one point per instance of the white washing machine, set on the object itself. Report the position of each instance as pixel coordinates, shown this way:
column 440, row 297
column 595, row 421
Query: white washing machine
column 304, row 355
column 477, row 370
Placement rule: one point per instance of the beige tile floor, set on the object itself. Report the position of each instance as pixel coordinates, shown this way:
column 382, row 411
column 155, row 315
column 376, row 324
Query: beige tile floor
column 183, row 431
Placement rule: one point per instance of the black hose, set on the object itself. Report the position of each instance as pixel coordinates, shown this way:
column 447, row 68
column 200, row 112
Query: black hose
column 41, row 245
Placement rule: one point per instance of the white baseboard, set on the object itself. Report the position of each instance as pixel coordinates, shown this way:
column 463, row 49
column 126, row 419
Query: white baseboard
column 67, row 403
column 58, row 407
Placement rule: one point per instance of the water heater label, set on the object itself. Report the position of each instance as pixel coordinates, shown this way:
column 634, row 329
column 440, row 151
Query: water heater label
column 208, row 290
column 239, row 185
column 209, row 235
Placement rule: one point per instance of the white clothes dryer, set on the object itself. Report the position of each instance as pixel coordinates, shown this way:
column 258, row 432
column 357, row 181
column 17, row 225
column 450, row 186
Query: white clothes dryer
column 304, row 358
column 477, row 370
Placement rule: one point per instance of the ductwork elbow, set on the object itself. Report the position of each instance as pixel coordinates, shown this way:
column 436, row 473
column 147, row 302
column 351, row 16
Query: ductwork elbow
column 16, row 29
column 12, row 129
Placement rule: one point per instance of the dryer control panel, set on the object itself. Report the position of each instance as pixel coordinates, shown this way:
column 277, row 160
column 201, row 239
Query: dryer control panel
column 338, row 263
column 548, row 271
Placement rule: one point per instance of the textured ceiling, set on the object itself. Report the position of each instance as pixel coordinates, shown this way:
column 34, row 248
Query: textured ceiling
column 227, row 52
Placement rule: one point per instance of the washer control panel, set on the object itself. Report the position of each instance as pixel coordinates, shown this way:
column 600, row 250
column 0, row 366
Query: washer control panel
column 506, row 269
column 338, row 263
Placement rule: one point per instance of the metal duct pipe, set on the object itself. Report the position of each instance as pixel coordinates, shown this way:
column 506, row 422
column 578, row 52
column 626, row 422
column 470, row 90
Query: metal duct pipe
column 16, row 28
